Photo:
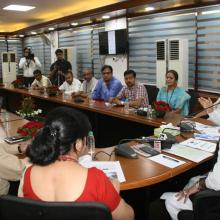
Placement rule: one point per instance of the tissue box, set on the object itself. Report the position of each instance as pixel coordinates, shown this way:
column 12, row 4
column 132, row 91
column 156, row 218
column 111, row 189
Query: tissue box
column 158, row 131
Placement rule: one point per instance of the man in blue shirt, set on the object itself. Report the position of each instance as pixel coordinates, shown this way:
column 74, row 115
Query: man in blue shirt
column 108, row 86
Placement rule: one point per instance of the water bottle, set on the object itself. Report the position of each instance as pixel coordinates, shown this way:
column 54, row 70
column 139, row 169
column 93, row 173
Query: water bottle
column 149, row 112
column 91, row 143
column 126, row 106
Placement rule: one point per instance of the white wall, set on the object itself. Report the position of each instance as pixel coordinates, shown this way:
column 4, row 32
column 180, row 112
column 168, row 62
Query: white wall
column 118, row 62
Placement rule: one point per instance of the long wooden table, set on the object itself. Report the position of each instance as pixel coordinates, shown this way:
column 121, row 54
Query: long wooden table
column 110, row 124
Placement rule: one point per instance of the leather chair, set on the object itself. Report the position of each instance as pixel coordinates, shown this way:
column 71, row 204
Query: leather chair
column 206, row 206
column 15, row 208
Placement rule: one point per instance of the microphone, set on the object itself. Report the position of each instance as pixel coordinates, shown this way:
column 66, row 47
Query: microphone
column 126, row 151
column 188, row 126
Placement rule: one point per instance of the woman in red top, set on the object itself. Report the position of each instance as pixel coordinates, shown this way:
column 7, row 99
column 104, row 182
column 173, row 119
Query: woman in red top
column 56, row 174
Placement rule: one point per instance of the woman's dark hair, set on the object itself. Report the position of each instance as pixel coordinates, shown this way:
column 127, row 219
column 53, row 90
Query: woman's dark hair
column 107, row 67
column 174, row 73
column 63, row 126
column 127, row 72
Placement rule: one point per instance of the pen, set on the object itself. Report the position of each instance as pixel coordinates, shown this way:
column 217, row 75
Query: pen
column 168, row 158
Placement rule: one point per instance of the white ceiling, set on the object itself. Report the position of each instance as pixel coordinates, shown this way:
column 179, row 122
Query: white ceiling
column 45, row 10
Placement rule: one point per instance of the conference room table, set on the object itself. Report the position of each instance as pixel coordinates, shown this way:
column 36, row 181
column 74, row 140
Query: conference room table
column 140, row 173
column 110, row 123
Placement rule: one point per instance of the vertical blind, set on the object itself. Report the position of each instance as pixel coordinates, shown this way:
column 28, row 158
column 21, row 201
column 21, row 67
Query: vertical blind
column 82, row 40
column 209, row 50
column 143, row 34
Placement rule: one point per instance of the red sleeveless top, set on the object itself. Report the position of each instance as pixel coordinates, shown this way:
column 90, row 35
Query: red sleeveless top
column 98, row 188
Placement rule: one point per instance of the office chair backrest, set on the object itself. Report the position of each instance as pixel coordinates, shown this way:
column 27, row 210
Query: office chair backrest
column 206, row 206
column 15, row 208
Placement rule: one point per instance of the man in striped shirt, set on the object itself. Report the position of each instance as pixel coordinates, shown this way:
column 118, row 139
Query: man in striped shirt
column 134, row 92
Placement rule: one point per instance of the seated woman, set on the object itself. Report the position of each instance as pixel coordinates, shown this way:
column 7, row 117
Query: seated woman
column 175, row 96
column 54, row 153
column 212, row 111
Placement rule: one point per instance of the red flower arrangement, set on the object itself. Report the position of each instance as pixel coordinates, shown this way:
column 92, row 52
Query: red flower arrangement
column 52, row 90
column 160, row 108
column 30, row 129
column 18, row 83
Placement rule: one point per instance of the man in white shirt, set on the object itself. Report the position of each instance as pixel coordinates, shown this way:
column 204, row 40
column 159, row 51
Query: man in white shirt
column 88, row 84
column 11, row 167
column 40, row 80
column 212, row 109
column 71, row 84
column 175, row 202
column 29, row 63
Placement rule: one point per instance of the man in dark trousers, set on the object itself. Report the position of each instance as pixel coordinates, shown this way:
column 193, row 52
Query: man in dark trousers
column 59, row 68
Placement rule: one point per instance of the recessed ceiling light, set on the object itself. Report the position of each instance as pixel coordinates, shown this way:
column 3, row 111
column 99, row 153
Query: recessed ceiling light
column 149, row 8
column 74, row 23
column 51, row 29
column 105, row 16
column 21, row 35
column 33, row 32
column 18, row 8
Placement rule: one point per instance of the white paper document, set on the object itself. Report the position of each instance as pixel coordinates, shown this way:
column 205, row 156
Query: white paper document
column 200, row 144
column 167, row 161
column 112, row 169
column 189, row 153
column 207, row 132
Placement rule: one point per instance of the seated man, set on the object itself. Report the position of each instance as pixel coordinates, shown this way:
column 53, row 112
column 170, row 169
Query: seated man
column 40, row 80
column 88, row 84
column 175, row 202
column 11, row 167
column 134, row 92
column 108, row 86
column 213, row 112
column 71, row 84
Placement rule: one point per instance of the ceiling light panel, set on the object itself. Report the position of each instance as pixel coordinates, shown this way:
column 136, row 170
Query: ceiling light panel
column 18, row 8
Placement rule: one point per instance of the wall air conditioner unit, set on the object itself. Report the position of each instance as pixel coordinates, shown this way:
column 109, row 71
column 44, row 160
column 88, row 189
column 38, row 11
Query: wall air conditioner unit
column 179, row 60
column 70, row 54
column 161, row 62
column 176, row 54
column 8, row 67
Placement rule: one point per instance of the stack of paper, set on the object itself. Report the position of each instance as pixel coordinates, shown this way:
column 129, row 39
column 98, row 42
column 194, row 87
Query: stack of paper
column 207, row 132
column 199, row 144
column 189, row 153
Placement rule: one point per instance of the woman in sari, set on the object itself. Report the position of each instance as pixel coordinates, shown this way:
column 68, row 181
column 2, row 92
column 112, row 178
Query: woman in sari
column 175, row 96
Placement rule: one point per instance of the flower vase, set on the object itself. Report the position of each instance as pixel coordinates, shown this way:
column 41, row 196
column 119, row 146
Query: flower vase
column 160, row 114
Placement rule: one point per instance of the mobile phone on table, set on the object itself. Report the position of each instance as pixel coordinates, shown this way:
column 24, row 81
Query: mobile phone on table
column 13, row 139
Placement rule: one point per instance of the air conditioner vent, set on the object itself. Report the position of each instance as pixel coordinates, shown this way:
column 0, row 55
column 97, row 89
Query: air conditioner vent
column 161, row 50
column 174, row 50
